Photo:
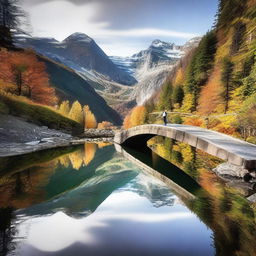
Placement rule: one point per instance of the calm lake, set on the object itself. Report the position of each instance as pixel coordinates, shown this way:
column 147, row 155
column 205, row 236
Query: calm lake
column 93, row 200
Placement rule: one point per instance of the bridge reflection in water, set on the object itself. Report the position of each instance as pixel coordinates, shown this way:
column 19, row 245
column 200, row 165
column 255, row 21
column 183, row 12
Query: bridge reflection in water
column 225, row 147
column 223, row 209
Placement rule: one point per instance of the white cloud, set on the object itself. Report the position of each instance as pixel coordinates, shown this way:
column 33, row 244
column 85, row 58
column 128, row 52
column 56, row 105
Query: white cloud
column 144, row 32
column 59, row 19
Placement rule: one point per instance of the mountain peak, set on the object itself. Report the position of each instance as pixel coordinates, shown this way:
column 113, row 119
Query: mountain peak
column 158, row 43
column 81, row 37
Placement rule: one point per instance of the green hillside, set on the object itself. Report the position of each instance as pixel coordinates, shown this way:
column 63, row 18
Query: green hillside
column 71, row 86
column 216, row 82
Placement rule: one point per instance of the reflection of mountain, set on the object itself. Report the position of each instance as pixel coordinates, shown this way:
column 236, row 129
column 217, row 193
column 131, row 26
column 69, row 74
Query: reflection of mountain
column 154, row 190
column 85, row 198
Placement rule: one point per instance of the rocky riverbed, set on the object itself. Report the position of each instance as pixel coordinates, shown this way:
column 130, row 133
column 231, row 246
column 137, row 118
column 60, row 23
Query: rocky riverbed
column 17, row 136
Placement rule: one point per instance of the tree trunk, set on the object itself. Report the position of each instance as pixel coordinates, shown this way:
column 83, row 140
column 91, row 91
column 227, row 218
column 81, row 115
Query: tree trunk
column 19, row 82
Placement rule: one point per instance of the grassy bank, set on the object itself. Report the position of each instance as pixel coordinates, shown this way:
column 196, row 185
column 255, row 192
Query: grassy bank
column 38, row 114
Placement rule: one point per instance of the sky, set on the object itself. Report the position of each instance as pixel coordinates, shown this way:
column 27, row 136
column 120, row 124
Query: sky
column 122, row 27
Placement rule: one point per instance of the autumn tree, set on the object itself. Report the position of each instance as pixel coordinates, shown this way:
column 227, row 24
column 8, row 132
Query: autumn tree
column 89, row 152
column 105, row 125
column 226, row 78
column 28, row 74
column 76, row 112
column 179, row 78
column 198, row 70
column 136, row 117
column 89, row 118
column 64, row 108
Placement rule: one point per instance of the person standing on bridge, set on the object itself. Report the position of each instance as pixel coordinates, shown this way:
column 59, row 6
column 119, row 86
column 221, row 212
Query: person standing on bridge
column 164, row 115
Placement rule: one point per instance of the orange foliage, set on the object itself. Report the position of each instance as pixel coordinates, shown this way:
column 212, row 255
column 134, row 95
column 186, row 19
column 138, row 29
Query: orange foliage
column 226, row 129
column 89, row 118
column 210, row 95
column 28, row 75
column 136, row 117
column 89, row 152
column 105, row 125
column 104, row 144
column 126, row 123
column 194, row 121
column 76, row 159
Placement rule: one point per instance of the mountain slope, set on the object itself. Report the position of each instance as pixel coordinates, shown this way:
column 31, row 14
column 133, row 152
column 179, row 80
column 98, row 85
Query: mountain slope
column 71, row 86
column 152, row 66
column 218, row 78
column 80, row 52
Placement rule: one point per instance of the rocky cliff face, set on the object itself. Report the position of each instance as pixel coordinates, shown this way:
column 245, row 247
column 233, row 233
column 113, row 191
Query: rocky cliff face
column 81, row 53
column 151, row 66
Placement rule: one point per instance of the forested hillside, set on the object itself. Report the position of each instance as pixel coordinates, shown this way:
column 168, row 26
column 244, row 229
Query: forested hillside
column 214, row 85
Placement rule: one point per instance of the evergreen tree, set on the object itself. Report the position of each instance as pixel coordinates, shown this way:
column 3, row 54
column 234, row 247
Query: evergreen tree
column 165, row 98
column 226, row 78
column 178, row 94
column 10, row 14
column 199, row 68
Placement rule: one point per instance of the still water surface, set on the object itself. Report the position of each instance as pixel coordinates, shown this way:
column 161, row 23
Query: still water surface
column 91, row 200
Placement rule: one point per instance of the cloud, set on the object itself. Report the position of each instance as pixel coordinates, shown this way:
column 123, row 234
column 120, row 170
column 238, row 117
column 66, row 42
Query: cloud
column 144, row 32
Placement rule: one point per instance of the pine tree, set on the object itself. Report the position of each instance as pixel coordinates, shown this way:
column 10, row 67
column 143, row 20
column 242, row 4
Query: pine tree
column 226, row 78
column 178, row 94
column 10, row 14
column 165, row 98
column 76, row 112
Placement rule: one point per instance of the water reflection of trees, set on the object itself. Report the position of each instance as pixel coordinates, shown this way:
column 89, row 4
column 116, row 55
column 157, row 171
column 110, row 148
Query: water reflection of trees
column 7, row 230
column 222, row 208
column 23, row 178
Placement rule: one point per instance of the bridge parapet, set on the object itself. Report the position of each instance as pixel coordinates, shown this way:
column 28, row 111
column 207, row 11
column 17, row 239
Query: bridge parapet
column 225, row 147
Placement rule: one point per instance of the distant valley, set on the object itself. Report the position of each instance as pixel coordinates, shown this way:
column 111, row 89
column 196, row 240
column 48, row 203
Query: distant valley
column 122, row 81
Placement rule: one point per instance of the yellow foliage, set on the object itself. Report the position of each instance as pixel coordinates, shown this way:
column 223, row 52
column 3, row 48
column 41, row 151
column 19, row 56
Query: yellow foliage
column 236, row 100
column 136, row 117
column 7, row 86
column 176, row 148
column 179, row 79
column 105, row 125
column 64, row 108
column 76, row 112
column 227, row 125
column 187, row 103
column 89, row 118
column 89, row 152
column 64, row 160
column 186, row 151
column 76, row 159
column 104, row 144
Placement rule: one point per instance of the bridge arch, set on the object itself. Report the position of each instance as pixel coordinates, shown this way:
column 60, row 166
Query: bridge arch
column 225, row 147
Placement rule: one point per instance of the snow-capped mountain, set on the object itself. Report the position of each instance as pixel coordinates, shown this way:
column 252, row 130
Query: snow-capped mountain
column 79, row 52
column 158, row 54
column 150, row 67
column 109, row 76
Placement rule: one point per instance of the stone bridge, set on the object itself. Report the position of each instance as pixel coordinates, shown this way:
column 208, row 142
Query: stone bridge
column 225, row 147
